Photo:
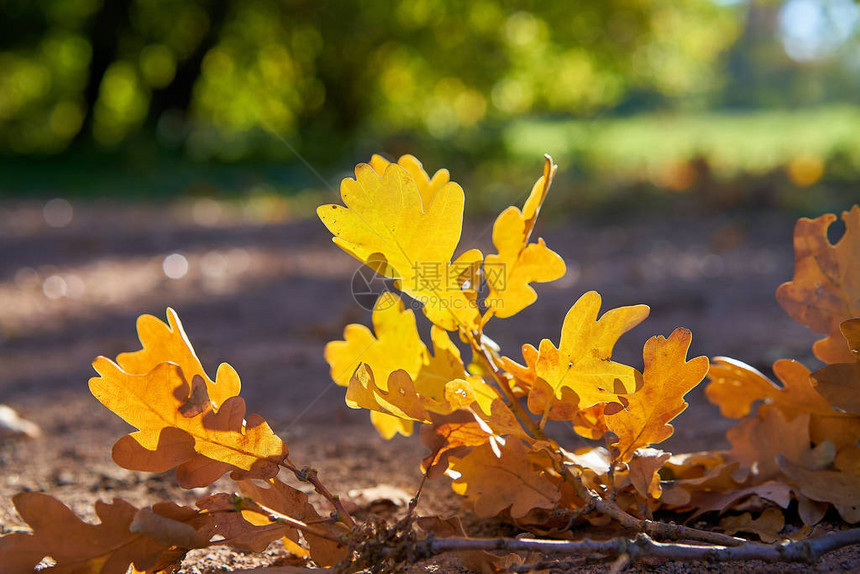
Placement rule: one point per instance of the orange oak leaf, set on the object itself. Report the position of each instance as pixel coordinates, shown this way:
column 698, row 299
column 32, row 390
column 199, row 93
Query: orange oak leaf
column 451, row 435
column 667, row 377
column 518, row 262
column 735, row 387
column 388, row 224
column 840, row 383
column 825, row 289
column 151, row 539
column 168, row 343
column 643, row 472
column 179, row 427
column 495, row 480
column 582, row 362
column 758, row 440
column 291, row 502
column 474, row 560
column 524, row 375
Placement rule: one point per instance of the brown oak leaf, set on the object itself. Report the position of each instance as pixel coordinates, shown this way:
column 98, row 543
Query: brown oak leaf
column 152, row 539
column 825, row 289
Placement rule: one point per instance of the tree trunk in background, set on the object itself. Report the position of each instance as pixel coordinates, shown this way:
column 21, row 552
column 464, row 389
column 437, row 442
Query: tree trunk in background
column 107, row 28
column 178, row 93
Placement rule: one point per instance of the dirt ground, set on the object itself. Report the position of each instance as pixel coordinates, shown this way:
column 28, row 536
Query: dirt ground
column 266, row 297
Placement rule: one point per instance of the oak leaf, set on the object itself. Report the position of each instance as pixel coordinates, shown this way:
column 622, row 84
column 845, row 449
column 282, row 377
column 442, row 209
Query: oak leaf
column 736, row 386
column 667, row 377
column 839, row 383
column 582, row 362
column 151, row 539
column 495, row 480
column 758, row 440
column 825, row 289
column 168, row 343
column 179, row 427
column 643, row 470
column 388, row 224
column 451, row 435
column 767, row 526
column 838, row 487
column 440, row 378
column 518, row 262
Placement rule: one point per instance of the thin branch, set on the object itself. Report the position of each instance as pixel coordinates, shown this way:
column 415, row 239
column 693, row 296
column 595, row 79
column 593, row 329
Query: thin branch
column 643, row 546
column 308, row 474
column 656, row 529
column 505, row 386
column 276, row 517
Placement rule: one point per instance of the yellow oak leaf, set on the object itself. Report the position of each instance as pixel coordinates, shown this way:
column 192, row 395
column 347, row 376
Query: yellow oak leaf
column 582, row 362
column 439, row 378
column 396, row 345
column 387, row 224
column 518, row 262
column 495, row 480
column 168, row 343
column 667, row 377
column 825, row 289
column 150, row 539
column 179, row 427
column 398, row 399
column 427, row 186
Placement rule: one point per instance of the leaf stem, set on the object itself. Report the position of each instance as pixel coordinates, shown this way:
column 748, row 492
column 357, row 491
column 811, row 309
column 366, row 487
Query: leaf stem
column 309, row 474
column 243, row 503
column 479, row 349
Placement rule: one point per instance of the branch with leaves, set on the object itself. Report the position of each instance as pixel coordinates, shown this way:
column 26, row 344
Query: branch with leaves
column 484, row 417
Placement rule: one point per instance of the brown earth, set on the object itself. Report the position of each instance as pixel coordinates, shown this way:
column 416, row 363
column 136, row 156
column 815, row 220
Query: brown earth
column 266, row 297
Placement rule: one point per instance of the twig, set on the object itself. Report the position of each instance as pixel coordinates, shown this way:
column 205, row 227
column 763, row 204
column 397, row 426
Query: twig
column 656, row 529
column 308, row 474
column 276, row 517
column 644, row 547
column 505, row 386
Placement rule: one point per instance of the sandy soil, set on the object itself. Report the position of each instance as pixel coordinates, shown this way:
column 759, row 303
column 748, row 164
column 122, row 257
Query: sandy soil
column 266, row 297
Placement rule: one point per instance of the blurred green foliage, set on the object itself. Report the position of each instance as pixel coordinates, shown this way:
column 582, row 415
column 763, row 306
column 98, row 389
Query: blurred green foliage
column 219, row 96
column 212, row 77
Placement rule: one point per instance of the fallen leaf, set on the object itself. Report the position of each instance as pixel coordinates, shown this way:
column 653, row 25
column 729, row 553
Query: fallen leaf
column 643, row 472
column 667, row 377
column 825, row 289
column 518, row 262
column 758, row 440
column 494, row 482
column 388, row 224
column 767, row 526
column 582, row 362
column 109, row 547
column 451, row 435
column 837, row 487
